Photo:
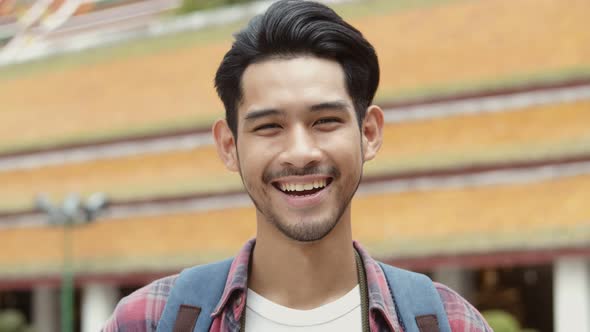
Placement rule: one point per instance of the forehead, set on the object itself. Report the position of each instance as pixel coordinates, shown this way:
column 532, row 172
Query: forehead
column 291, row 83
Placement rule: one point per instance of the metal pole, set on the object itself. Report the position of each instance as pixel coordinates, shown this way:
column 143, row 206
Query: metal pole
column 72, row 212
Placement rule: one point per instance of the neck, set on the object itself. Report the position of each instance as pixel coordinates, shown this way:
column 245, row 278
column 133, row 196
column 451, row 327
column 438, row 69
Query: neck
column 303, row 275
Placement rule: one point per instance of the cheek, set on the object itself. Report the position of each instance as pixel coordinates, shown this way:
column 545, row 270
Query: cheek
column 249, row 167
column 343, row 148
column 254, row 159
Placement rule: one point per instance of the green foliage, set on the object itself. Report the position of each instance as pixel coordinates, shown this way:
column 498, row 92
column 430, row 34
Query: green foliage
column 13, row 321
column 501, row 321
column 189, row 6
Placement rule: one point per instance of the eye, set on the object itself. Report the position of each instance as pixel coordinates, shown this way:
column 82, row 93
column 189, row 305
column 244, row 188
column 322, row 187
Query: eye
column 324, row 121
column 267, row 126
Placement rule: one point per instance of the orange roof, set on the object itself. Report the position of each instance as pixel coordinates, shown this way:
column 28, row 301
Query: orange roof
column 528, row 133
column 547, row 214
column 538, row 132
column 432, row 47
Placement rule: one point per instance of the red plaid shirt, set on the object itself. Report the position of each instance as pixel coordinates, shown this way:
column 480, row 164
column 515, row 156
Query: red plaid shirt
column 141, row 311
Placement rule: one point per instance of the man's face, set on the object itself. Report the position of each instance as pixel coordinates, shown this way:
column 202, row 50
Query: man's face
column 299, row 144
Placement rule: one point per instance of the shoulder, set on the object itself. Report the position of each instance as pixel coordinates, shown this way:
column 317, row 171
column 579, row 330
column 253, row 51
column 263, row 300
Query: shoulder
column 463, row 317
column 141, row 310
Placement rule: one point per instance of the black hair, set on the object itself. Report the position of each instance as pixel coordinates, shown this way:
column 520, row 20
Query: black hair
column 291, row 28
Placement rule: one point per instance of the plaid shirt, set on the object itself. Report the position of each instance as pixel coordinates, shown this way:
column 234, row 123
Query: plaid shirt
column 141, row 311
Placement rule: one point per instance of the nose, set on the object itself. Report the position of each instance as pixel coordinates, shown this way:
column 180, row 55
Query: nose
column 300, row 149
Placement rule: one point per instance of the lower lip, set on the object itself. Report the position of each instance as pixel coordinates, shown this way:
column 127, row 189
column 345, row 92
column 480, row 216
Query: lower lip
column 305, row 201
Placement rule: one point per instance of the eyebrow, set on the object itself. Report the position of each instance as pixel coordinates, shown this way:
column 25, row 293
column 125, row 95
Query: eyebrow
column 251, row 116
column 337, row 105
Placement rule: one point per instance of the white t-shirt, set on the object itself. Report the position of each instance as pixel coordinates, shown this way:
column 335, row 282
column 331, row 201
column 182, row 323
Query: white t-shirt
column 344, row 314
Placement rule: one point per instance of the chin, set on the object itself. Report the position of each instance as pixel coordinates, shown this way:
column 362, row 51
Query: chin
column 306, row 230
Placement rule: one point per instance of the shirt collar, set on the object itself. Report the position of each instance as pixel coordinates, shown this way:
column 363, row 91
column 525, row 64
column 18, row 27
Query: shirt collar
column 380, row 300
column 237, row 277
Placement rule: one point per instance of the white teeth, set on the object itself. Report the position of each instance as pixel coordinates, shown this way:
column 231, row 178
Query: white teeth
column 302, row 186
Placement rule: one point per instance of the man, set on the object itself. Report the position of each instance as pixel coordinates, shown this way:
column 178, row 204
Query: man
column 297, row 86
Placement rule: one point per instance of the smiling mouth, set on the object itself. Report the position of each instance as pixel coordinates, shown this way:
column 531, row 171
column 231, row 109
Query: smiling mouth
column 302, row 189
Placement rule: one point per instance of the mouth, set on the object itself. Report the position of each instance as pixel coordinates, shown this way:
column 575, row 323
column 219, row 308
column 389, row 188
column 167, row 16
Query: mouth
column 302, row 188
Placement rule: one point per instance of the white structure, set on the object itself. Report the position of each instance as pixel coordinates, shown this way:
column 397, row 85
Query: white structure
column 98, row 302
column 457, row 278
column 46, row 309
column 571, row 287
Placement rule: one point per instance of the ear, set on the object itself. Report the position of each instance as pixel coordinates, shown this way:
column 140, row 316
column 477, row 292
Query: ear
column 372, row 132
column 226, row 145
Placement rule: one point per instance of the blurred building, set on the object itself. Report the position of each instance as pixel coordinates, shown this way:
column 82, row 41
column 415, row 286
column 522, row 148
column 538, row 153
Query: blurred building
column 482, row 182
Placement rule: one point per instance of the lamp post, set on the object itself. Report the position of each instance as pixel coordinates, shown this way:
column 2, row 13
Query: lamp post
column 73, row 211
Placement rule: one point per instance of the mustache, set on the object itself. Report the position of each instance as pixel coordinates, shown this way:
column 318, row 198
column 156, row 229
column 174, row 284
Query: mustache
column 331, row 171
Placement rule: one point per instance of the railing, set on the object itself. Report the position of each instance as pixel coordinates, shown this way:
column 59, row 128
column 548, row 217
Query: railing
column 129, row 21
column 21, row 37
